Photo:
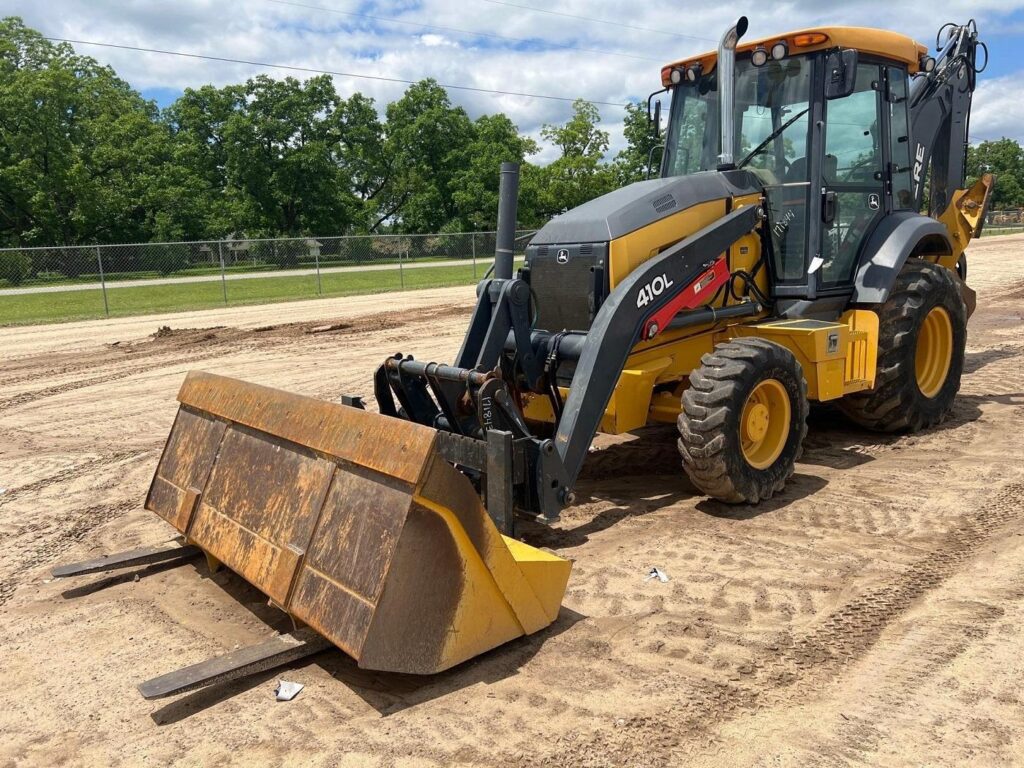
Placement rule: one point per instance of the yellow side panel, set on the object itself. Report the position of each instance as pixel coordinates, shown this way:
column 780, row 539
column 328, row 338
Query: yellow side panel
column 862, row 354
column 836, row 358
column 627, row 409
column 626, row 253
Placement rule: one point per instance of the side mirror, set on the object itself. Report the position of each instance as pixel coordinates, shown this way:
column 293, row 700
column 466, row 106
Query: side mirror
column 840, row 73
column 656, row 120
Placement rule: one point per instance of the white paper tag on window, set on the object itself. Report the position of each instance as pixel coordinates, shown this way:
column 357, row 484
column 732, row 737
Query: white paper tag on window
column 816, row 263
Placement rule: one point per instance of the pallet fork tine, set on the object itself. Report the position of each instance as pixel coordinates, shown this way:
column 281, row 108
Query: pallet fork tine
column 175, row 552
column 270, row 654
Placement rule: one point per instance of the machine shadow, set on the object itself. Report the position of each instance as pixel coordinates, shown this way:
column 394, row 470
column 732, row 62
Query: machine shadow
column 122, row 577
column 658, row 492
column 975, row 361
column 799, row 486
column 834, row 441
column 386, row 692
column 389, row 693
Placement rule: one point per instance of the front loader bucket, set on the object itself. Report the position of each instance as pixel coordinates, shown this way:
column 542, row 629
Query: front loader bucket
column 352, row 523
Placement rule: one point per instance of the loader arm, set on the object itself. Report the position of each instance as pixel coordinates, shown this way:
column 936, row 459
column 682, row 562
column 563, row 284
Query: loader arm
column 475, row 403
column 631, row 314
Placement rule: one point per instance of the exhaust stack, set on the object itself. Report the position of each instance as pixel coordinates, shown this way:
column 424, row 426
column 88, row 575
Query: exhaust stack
column 508, row 202
column 727, row 91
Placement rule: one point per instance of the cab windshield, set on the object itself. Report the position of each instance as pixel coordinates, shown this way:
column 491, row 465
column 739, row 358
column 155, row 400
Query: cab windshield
column 772, row 140
column 772, row 108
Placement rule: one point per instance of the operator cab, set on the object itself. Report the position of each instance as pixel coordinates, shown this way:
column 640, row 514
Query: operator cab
column 821, row 119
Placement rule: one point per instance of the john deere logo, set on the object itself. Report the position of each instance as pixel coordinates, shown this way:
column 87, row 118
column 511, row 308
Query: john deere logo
column 563, row 256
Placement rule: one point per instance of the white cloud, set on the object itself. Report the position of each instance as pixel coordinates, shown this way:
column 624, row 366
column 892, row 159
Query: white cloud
column 261, row 30
column 998, row 109
column 432, row 41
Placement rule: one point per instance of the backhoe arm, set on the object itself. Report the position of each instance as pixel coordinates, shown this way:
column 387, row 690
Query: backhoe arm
column 940, row 113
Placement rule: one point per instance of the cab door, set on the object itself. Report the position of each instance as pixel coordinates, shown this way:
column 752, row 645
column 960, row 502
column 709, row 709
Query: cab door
column 854, row 186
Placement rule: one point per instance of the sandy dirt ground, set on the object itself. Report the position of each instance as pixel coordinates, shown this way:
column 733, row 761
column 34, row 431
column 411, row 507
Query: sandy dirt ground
column 873, row 613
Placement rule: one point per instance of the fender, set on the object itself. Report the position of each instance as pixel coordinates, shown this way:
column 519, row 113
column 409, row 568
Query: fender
column 897, row 237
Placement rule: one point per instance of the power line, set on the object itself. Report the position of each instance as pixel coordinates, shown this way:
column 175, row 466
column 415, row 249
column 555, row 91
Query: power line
column 599, row 21
column 456, row 30
column 354, row 75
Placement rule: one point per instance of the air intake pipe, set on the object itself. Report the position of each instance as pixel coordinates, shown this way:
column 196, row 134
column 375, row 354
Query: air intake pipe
column 508, row 202
column 727, row 91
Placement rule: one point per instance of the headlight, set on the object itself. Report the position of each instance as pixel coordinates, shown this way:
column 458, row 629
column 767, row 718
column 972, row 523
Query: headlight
column 759, row 57
column 780, row 50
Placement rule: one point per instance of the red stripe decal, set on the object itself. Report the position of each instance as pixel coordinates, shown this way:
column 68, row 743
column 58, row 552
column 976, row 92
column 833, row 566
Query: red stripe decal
column 693, row 295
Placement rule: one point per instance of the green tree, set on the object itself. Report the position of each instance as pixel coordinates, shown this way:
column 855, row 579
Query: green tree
column 281, row 157
column 193, row 196
column 580, row 173
column 632, row 162
column 76, row 146
column 1005, row 159
column 426, row 144
column 495, row 140
column 362, row 156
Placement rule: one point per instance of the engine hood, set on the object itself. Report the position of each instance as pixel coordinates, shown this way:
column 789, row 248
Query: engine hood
column 633, row 207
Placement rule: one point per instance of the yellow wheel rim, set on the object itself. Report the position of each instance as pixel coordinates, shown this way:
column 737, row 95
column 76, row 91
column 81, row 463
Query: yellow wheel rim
column 934, row 352
column 764, row 423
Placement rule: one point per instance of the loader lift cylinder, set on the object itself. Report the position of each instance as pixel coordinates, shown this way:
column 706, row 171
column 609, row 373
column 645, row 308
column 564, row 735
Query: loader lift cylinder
column 508, row 202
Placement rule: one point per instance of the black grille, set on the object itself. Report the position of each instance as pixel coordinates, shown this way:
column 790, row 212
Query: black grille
column 569, row 283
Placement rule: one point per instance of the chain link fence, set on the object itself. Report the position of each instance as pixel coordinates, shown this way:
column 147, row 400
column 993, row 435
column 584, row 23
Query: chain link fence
column 74, row 282
column 1004, row 222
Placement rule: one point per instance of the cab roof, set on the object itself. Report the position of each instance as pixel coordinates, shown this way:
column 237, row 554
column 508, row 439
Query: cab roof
column 876, row 42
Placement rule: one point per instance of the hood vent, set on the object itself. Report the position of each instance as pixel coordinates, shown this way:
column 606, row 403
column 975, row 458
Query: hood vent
column 664, row 203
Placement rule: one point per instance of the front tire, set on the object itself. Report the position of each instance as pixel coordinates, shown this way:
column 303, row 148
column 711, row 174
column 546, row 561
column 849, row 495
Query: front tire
column 922, row 335
column 743, row 421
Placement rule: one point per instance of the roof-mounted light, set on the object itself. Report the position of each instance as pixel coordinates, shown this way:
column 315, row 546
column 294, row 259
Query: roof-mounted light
column 809, row 38
column 676, row 76
column 927, row 64
column 780, row 50
column 759, row 57
column 693, row 72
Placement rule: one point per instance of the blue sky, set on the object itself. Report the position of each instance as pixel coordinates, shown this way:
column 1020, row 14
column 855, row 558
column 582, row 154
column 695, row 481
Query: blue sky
column 490, row 44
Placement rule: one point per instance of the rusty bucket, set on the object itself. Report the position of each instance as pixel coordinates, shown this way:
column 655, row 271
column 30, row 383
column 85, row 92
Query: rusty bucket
column 352, row 523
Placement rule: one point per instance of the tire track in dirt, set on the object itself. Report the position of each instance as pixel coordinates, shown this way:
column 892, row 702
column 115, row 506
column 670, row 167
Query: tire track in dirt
column 41, row 394
column 779, row 671
column 854, row 628
column 169, row 347
column 71, row 473
column 42, row 545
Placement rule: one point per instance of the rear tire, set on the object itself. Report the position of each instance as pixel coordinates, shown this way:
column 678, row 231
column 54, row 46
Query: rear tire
column 921, row 339
column 743, row 421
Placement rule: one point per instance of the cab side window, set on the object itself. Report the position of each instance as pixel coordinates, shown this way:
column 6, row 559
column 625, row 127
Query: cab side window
column 899, row 139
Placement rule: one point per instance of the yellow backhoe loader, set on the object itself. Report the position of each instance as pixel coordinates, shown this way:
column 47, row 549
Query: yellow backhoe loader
column 780, row 257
